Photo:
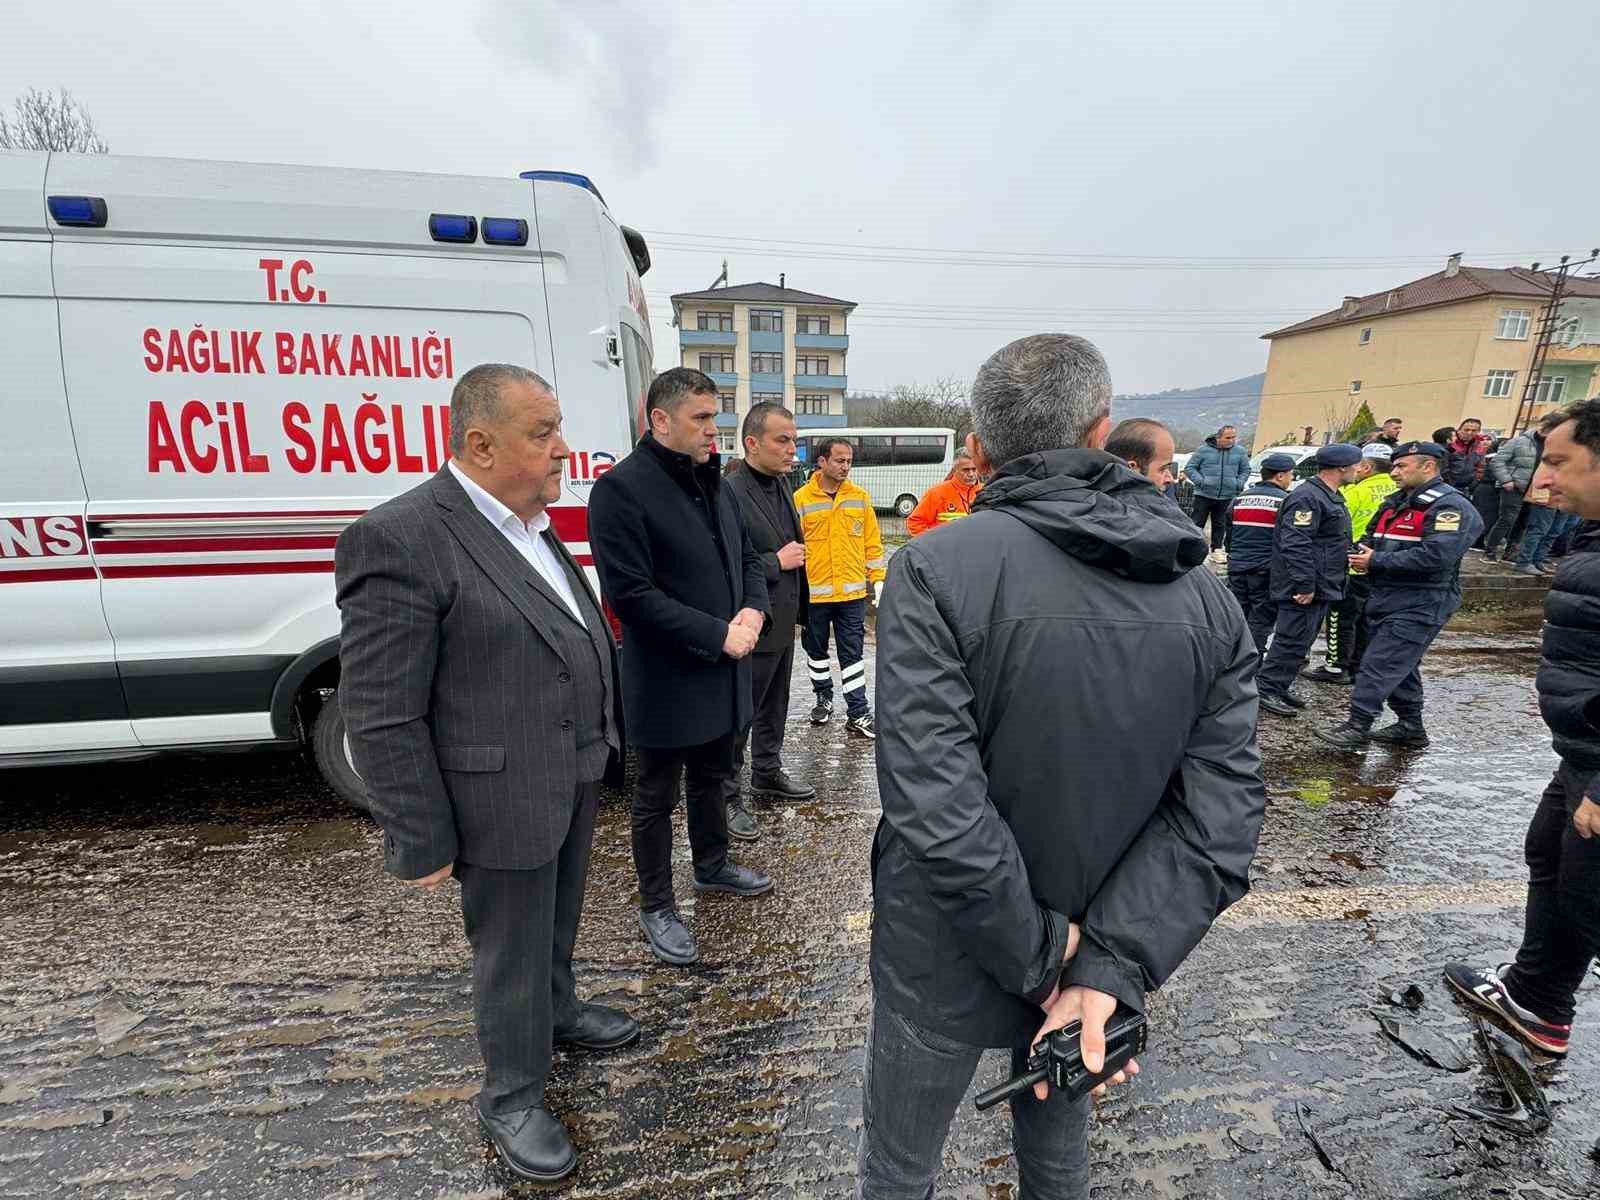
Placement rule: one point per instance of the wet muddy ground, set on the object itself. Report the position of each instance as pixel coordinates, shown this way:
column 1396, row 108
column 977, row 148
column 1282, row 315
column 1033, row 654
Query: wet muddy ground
column 210, row 988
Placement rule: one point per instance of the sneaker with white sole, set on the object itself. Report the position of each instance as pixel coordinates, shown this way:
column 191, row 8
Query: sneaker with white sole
column 861, row 726
column 1485, row 987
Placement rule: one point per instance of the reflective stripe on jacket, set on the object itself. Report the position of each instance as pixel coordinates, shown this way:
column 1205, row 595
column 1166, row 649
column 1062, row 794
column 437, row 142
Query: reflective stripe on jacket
column 948, row 500
column 844, row 551
column 1364, row 498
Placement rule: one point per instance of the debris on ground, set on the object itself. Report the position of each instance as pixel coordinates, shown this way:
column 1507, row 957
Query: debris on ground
column 1527, row 1112
column 1303, row 1114
column 1411, row 996
column 1428, row 1045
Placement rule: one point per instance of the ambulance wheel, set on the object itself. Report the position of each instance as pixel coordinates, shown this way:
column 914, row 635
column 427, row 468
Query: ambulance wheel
column 904, row 506
column 331, row 749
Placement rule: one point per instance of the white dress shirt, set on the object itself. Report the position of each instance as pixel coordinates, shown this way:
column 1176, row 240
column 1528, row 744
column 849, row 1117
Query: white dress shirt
column 525, row 537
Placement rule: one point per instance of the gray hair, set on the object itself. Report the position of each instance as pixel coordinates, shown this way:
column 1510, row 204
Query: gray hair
column 1044, row 392
column 478, row 398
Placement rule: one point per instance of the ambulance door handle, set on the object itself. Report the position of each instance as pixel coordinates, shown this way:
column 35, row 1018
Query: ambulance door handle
column 614, row 349
column 607, row 346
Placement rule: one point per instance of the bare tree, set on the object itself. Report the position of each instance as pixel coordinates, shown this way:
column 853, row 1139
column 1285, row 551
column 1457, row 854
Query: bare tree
column 48, row 121
column 943, row 404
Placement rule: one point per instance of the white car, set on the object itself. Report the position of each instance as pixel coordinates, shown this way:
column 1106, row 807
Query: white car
column 1303, row 456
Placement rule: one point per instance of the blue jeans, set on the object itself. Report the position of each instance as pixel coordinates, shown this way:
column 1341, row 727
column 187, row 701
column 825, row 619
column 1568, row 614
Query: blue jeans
column 1544, row 526
column 848, row 620
column 915, row 1079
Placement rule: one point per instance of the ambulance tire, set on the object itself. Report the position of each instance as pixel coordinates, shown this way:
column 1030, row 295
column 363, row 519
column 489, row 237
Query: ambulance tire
column 331, row 751
column 904, row 506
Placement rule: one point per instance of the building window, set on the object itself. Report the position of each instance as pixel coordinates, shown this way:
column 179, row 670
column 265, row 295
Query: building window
column 717, row 362
column 1355, row 386
column 766, row 320
column 811, row 324
column 730, row 402
column 727, row 443
column 766, row 364
column 1498, row 383
column 1513, row 324
column 1366, row 335
column 719, row 322
column 811, row 406
column 804, row 365
column 919, row 449
column 1550, row 389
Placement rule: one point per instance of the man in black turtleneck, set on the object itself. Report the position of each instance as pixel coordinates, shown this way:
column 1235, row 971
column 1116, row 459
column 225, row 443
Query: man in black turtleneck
column 680, row 573
column 766, row 502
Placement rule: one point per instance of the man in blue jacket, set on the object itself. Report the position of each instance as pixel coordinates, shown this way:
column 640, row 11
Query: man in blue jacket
column 1413, row 551
column 1219, row 471
column 1535, row 994
column 1310, row 553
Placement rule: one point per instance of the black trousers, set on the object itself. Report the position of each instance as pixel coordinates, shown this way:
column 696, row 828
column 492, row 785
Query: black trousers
column 522, row 926
column 1253, row 591
column 1561, row 933
column 1347, row 625
column 1221, row 518
column 704, row 770
column 769, row 684
column 1486, row 499
column 1292, row 635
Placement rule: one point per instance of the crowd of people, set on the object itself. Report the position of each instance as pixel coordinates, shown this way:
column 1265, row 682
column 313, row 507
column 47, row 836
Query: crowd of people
column 1051, row 847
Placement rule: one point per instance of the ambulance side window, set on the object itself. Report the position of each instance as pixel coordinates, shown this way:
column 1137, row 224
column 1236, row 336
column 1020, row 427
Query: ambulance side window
column 640, row 373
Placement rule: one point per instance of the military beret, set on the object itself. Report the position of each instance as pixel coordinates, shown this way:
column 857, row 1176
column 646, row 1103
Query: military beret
column 1274, row 463
column 1431, row 449
column 1338, row 454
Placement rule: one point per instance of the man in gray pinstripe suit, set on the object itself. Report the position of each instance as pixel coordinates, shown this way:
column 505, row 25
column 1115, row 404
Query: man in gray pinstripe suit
column 477, row 685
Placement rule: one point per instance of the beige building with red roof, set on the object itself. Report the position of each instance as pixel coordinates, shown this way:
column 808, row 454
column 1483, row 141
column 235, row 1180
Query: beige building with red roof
column 1435, row 351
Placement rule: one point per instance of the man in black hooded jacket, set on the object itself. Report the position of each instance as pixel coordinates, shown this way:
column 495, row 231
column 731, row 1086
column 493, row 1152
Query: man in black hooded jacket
column 1536, row 994
column 1067, row 765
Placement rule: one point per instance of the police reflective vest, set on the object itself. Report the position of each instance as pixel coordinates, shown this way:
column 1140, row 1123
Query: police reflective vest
column 1254, row 515
column 1419, row 539
column 844, row 551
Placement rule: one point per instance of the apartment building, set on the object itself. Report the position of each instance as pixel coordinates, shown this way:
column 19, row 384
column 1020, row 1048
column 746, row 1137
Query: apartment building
column 1451, row 345
column 767, row 342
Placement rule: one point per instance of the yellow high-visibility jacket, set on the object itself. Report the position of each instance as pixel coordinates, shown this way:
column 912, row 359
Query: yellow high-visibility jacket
column 844, row 551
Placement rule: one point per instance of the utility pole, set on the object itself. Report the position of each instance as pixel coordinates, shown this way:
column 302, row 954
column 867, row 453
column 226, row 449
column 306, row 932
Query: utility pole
column 1549, row 319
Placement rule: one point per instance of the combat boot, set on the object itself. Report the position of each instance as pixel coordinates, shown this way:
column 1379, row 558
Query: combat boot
column 1349, row 736
column 1403, row 732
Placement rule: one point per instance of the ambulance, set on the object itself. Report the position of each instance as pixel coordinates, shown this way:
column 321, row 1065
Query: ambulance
column 209, row 369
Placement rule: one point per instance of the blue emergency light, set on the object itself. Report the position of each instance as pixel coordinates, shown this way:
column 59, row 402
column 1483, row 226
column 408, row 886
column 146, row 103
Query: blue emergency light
column 85, row 212
column 571, row 177
column 448, row 227
column 505, row 231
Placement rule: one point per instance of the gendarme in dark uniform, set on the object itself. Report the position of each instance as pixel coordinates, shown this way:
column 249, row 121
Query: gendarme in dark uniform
column 1310, row 558
column 1254, row 522
column 1417, row 542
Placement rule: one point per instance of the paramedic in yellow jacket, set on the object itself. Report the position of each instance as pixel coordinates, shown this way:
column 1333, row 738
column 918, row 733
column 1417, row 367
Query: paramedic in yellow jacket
column 844, row 558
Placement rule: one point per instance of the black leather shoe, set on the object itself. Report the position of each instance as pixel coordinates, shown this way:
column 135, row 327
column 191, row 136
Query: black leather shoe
column 1296, row 699
column 1348, row 736
column 1402, row 733
column 741, row 881
column 599, row 1028
column 1277, row 705
column 1326, row 674
column 741, row 821
column 669, row 938
column 780, row 787
column 532, row 1143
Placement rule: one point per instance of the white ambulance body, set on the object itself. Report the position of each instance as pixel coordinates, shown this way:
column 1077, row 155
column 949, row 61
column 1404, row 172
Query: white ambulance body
column 208, row 369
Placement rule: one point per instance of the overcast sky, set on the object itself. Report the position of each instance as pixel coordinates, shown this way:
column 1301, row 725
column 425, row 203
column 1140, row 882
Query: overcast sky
column 1098, row 169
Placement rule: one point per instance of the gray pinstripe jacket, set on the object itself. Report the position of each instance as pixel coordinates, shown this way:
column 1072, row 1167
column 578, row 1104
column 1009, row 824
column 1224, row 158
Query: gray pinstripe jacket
column 475, row 704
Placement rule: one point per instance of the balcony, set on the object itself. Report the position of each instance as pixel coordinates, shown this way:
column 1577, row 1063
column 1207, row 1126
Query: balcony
column 768, row 340
column 822, row 341
column 724, row 379
column 764, row 382
column 727, row 420
column 707, row 337
column 809, row 383
column 819, row 420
